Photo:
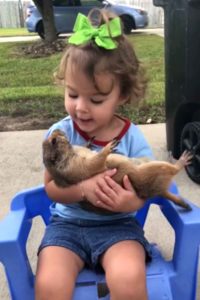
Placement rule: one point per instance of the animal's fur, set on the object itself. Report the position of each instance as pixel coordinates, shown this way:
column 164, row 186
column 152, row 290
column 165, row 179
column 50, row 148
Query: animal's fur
column 71, row 164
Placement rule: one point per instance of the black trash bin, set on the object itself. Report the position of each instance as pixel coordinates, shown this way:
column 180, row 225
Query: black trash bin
column 182, row 89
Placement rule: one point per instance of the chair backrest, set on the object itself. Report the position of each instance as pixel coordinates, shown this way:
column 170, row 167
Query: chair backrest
column 37, row 202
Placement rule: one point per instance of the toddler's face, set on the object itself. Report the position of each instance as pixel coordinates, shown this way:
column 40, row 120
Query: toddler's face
column 91, row 109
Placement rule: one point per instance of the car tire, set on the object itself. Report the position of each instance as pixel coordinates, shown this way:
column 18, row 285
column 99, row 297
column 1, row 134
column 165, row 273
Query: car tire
column 190, row 141
column 40, row 29
column 128, row 24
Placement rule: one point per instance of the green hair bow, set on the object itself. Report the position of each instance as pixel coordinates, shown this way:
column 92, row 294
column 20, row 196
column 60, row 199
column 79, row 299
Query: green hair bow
column 84, row 32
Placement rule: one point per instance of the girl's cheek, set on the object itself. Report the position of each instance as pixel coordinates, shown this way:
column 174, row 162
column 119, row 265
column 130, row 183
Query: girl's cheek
column 70, row 107
column 67, row 105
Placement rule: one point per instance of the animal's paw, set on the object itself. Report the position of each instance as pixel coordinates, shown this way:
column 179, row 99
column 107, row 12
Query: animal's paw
column 114, row 144
column 109, row 148
column 89, row 143
column 185, row 159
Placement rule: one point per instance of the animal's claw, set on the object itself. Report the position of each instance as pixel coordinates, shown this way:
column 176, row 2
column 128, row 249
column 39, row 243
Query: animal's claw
column 89, row 143
column 114, row 143
column 186, row 158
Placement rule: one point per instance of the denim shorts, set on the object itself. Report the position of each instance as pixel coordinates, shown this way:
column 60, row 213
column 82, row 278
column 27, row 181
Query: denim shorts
column 89, row 239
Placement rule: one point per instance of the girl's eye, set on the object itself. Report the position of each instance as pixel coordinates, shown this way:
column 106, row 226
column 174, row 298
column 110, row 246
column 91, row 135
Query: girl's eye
column 95, row 101
column 73, row 96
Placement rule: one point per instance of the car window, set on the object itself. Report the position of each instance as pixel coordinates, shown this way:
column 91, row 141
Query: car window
column 91, row 3
column 95, row 3
column 67, row 3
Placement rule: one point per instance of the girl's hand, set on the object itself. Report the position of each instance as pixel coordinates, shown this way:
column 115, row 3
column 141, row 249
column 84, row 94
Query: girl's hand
column 116, row 198
column 89, row 186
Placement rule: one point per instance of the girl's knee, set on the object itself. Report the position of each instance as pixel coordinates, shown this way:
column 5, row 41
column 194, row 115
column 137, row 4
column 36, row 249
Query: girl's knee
column 128, row 285
column 49, row 286
column 56, row 273
column 44, row 286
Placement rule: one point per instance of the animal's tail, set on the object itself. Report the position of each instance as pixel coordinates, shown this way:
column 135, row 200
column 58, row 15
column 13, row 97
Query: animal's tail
column 177, row 200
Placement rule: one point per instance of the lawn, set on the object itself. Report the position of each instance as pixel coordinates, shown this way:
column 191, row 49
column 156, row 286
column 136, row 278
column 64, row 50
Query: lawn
column 14, row 32
column 27, row 87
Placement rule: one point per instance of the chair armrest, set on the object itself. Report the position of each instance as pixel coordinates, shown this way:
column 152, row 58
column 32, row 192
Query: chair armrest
column 15, row 227
column 16, row 224
column 35, row 201
column 14, row 231
column 186, row 225
column 183, row 268
column 24, row 207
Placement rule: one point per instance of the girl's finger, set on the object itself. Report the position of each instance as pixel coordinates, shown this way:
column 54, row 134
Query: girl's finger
column 103, row 205
column 105, row 187
column 127, row 184
column 110, row 172
column 103, row 199
column 112, row 184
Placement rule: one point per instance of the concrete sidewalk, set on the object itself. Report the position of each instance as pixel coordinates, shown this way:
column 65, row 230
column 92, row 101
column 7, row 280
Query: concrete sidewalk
column 21, row 168
column 157, row 31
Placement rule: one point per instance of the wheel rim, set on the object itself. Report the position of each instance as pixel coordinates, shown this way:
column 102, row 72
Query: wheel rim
column 191, row 143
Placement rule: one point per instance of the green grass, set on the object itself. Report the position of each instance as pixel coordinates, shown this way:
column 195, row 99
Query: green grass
column 4, row 32
column 26, row 85
column 150, row 50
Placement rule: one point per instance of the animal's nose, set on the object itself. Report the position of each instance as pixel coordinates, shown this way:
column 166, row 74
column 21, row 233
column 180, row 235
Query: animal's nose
column 53, row 141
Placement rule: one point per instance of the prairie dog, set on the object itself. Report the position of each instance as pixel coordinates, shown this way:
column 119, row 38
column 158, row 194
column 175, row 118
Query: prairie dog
column 69, row 165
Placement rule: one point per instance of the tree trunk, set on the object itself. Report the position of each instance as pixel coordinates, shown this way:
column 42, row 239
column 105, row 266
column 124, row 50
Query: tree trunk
column 45, row 7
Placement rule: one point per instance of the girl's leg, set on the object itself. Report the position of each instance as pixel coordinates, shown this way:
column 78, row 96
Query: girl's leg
column 124, row 265
column 56, row 273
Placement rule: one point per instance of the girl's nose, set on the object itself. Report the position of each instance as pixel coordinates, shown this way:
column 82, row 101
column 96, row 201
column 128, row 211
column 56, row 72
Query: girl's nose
column 81, row 104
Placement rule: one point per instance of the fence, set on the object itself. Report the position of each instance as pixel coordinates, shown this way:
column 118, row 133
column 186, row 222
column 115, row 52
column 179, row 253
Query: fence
column 13, row 13
column 156, row 14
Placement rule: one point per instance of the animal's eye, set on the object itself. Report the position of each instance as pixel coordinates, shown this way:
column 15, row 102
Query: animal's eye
column 53, row 141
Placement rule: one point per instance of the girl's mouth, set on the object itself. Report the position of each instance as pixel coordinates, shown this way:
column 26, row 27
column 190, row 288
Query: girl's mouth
column 84, row 121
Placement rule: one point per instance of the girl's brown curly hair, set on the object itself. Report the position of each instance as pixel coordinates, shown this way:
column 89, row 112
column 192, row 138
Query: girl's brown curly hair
column 121, row 62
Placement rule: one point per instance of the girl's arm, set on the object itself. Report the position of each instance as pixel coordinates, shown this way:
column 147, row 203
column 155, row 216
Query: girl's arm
column 77, row 192
column 100, row 190
column 65, row 195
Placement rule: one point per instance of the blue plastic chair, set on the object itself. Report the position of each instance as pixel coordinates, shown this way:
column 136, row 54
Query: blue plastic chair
column 166, row 280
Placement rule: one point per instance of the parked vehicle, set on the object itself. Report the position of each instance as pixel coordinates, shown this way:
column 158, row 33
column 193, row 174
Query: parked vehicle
column 65, row 12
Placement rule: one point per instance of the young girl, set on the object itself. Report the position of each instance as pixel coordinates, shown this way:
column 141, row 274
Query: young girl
column 100, row 72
